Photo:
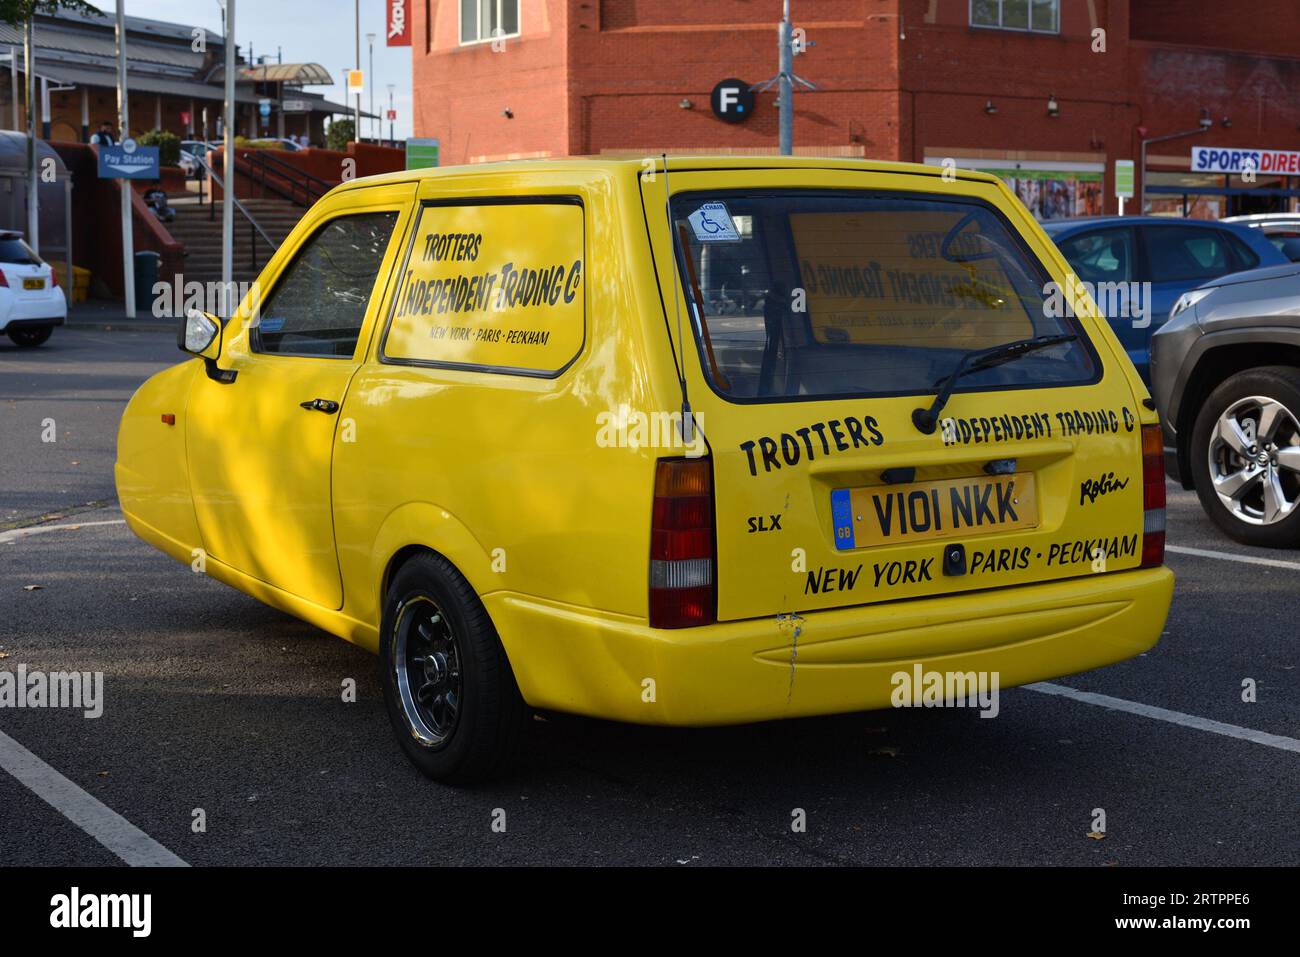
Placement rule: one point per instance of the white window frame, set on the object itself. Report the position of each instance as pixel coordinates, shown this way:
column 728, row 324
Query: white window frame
column 970, row 19
column 478, row 25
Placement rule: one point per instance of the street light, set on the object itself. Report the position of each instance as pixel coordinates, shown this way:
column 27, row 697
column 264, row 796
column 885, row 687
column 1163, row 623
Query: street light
column 370, row 39
column 356, row 116
column 1205, row 125
column 785, row 81
column 392, row 135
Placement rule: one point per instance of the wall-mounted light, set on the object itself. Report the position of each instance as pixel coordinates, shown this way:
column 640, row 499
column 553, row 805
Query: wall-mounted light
column 1206, row 121
column 989, row 108
column 686, row 104
column 902, row 32
column 1053, row 108
column 508, row 113
column 1226, row 122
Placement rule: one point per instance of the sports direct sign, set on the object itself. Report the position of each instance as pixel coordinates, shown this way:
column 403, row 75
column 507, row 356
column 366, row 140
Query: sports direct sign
column 1219, row 159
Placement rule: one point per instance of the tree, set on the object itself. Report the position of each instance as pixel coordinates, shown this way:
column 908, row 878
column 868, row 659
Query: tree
column 169, row 145
column 18, row 12
column 341, row 133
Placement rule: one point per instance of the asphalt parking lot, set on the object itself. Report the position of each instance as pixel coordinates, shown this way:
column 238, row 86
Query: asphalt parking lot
column 218, row 707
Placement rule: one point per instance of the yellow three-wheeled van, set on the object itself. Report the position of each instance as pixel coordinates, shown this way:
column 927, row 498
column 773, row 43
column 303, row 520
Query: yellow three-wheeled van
column 696, row 442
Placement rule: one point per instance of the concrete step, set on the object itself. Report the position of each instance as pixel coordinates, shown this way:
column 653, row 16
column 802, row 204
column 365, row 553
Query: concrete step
column 199, row 229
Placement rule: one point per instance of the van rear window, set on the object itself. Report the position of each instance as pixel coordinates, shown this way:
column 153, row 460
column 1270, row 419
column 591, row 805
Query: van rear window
column 802, row 294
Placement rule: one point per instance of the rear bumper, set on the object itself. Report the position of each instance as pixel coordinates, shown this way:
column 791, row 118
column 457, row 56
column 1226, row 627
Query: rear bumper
column 576, row 660
column 6, row 325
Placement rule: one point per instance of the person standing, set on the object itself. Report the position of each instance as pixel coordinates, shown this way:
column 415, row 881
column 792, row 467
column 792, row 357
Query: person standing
column 104, row 135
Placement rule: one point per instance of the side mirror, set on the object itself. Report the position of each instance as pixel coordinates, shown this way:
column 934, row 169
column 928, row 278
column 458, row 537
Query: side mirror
column 201, row 335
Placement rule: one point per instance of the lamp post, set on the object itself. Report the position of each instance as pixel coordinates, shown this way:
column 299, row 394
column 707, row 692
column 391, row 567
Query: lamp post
column 370, row 40
column 33, row 178
column 228, row 166
column 392, row 134
column 356, row 115
column 1206, row 123
column 124, row 122
column 785, row 81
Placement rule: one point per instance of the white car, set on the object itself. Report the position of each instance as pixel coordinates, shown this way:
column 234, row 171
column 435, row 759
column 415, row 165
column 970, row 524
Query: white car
column 1282, row 230
column 188, row 164
column 31, row 302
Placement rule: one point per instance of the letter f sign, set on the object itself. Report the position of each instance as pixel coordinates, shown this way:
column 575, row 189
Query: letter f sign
column 728, row 97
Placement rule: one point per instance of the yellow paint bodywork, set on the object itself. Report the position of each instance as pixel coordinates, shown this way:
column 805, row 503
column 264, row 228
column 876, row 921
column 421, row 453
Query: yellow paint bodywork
column 504, row 476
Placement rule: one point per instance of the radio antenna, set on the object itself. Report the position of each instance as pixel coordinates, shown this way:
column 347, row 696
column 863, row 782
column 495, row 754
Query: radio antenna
column 688, row 419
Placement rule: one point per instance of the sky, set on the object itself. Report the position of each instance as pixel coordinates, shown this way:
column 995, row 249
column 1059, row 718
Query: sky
column 305, row 31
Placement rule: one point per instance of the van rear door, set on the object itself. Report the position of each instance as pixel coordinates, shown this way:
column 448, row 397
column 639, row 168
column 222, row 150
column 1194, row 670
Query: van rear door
column 821, row 309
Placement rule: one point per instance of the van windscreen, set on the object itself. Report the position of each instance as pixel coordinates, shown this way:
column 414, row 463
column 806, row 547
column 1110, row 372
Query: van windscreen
column 811, row 294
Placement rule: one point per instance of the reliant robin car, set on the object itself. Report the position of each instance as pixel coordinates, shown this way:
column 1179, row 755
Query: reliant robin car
column 683, row 442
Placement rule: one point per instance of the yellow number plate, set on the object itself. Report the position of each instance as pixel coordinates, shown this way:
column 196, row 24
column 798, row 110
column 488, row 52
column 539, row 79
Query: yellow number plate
column 890, row 514
column 33, row 283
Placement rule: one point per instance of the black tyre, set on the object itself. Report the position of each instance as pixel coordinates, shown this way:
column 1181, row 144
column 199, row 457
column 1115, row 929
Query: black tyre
column 450, row 693
column 1246, row 456
column 29, row 336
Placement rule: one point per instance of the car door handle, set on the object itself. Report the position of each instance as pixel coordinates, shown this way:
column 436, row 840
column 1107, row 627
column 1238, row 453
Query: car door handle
column 328, row 406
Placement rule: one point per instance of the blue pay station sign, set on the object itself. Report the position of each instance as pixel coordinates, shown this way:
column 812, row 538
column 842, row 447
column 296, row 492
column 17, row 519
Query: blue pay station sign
column 128, row 161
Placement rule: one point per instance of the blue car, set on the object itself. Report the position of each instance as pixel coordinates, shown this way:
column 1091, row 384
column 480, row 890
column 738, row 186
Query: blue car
column 1171, row 255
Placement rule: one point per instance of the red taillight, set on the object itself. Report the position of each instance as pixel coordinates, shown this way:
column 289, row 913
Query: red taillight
column 4, row 281
column 54, row 279
column 1153, row 496
column 682, row 565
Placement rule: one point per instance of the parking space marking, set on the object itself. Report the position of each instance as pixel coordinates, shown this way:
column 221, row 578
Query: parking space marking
column 1229, row 556
column 101, row 822
column 1173, row 717
column 20, row 533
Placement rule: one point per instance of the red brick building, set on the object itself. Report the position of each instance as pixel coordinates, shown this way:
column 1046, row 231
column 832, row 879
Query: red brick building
column 1048, row 92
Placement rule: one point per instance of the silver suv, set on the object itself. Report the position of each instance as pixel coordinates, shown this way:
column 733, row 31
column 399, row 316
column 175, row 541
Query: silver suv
column 1225, row 372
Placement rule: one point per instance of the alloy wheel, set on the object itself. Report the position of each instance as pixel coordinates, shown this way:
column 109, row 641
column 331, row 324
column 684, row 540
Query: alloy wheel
column 1255, row 460
column 427, row 661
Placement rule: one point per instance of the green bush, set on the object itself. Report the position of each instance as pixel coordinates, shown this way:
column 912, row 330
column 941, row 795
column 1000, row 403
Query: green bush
column 244, row 143
column 169, row 145
column 341, row 133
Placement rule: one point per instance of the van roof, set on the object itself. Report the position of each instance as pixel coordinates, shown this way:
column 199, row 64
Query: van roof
column 676, row 163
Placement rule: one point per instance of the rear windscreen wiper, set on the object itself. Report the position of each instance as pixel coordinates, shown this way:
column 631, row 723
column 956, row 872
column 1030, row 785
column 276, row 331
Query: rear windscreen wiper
column 927, row 419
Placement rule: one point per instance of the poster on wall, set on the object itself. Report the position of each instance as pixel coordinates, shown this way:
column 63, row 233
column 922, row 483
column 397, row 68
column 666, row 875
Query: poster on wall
column 1049, row 190
column 1055, row 194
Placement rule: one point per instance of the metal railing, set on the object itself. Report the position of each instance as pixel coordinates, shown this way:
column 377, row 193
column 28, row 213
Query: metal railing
column 283, row 177
column 254, row 227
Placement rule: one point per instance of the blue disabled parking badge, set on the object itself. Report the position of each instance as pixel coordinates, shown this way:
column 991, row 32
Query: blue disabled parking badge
column 712, row 224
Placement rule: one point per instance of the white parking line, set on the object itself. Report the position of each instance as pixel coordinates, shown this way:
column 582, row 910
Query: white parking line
column 20, row 533
column 1230, row 557
column 1173, row 717
column 98, row 820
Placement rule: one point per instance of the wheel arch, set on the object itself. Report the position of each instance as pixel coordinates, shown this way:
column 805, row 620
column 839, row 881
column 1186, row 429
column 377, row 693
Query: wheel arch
column 1223, row 356
column 420, row 527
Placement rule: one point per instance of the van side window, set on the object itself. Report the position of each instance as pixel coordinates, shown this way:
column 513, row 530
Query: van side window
column 319, row 303
column 490, row 285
